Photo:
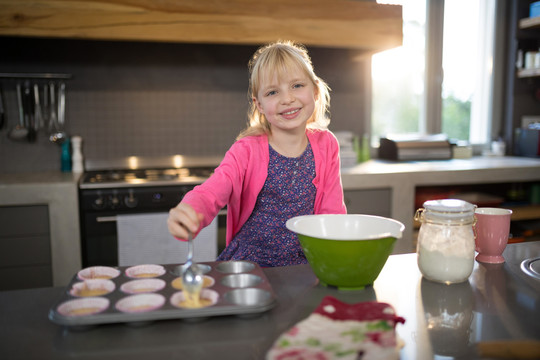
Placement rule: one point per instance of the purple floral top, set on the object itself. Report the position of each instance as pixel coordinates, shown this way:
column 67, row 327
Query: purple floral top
column 287, row 192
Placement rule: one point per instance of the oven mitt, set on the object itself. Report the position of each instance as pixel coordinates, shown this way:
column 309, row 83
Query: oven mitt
column 337, row 330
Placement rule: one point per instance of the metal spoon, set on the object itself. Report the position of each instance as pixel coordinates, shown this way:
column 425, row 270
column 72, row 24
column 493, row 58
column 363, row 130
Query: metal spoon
column 61, row 106
column 57, row 135
column 192, row 279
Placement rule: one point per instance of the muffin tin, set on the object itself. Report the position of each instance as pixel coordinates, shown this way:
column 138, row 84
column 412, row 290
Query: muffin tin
column 153, row 292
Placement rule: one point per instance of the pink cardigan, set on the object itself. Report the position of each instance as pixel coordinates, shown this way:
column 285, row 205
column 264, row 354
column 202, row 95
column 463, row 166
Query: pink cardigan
column 240, row 177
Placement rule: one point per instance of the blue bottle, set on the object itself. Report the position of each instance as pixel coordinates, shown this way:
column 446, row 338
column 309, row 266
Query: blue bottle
column 66, row 156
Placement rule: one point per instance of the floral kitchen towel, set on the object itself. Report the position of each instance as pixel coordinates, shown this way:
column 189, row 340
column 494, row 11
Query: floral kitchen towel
column 337, row 330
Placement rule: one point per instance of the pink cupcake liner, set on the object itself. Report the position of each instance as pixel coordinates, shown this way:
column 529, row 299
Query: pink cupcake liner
column 178, row 297
column 208, row 281
column 83, row 306
column 140, row 303
column 145, row 271
column 92, row 288
column 98, row 272
column 143, row 286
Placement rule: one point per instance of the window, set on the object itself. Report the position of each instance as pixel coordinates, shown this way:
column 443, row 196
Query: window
column 398, row 77
column 440, row 80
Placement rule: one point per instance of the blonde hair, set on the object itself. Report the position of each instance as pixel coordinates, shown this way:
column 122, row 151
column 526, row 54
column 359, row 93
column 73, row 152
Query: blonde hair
column 280, row 57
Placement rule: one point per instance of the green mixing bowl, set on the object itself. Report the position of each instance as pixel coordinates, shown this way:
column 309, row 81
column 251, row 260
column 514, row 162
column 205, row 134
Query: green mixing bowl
column 346, row 251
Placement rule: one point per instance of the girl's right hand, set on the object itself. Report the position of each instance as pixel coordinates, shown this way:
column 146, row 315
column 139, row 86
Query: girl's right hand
column 181, row 218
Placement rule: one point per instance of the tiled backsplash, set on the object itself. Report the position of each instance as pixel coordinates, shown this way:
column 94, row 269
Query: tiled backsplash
column 154, row 99
column 158, row 122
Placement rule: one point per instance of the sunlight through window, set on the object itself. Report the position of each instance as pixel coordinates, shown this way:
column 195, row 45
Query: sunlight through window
column 399, row 75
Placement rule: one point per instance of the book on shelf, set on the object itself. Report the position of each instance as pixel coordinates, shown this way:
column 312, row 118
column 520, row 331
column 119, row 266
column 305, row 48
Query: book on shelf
column 415, row 147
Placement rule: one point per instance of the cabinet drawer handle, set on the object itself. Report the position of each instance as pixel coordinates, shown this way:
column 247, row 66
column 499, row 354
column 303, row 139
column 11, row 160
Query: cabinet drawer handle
column 101, row 219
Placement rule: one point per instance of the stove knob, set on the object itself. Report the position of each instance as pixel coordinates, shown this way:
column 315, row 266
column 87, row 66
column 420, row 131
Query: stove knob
column 114, row 201
column 130, row 200
column 99, row 203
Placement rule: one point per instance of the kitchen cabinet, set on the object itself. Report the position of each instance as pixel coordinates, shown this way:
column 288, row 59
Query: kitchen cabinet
column 362, row 25
column 370, row 202
column 522, row 85
column 40, row 210
column 25, row 251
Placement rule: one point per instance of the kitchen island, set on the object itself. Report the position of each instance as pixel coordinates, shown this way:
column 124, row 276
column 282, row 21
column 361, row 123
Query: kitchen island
column 498, row 302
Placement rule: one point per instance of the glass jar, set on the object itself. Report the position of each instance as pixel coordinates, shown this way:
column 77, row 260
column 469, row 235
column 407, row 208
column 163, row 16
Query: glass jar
column 446, row 240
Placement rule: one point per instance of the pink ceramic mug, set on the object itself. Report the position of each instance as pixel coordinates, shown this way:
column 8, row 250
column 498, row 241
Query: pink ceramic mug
column 492, row 230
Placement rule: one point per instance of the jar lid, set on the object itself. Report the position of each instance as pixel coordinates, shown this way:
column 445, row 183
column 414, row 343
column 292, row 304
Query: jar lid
column 449, row 208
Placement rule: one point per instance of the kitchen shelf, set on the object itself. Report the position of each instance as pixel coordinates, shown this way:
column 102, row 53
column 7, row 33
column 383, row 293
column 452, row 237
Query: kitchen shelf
column 523, row 35
column 359, row 25
column 530, row 23
column 527, row 73
column 525, row 212
column 50, row 76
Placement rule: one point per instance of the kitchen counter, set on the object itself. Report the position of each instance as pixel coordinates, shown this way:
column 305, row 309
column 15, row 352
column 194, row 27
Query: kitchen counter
column 498, row 302
column 402, row 178
column 59, row 191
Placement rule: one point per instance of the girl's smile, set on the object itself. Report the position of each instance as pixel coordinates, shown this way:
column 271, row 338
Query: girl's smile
column 290, row 114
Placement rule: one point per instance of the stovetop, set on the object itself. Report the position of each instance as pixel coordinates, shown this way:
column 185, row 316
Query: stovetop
column 144, row 177
column 137, row 171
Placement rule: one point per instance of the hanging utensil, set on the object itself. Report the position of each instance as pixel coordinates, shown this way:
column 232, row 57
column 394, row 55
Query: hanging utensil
column 52, row 109
column 28, row 106
column 61, row 106
column 19, row 132
column 45, row 107
column 57, row 135
column 2, row 109
column 38, row 114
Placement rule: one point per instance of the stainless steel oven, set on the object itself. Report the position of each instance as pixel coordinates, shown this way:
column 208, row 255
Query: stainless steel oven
column 120, row 188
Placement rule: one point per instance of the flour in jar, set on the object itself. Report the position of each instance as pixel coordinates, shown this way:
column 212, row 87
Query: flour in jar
column 446, row 256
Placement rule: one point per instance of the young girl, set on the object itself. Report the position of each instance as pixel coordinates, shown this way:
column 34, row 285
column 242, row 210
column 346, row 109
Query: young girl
column 284, row 164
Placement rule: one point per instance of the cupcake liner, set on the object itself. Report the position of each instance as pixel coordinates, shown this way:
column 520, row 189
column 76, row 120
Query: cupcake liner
column 211, row 297
column 140, row 303
column 208, row 281
column 98, row 272
column 83, row 306
column 143, row 286
column 92, row 288
column 145, row 271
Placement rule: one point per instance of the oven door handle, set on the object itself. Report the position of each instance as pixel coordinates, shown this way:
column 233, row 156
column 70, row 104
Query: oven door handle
column 102, row 219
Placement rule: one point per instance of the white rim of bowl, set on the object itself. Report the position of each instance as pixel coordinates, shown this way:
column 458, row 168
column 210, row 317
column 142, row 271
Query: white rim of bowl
column 291, row 225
